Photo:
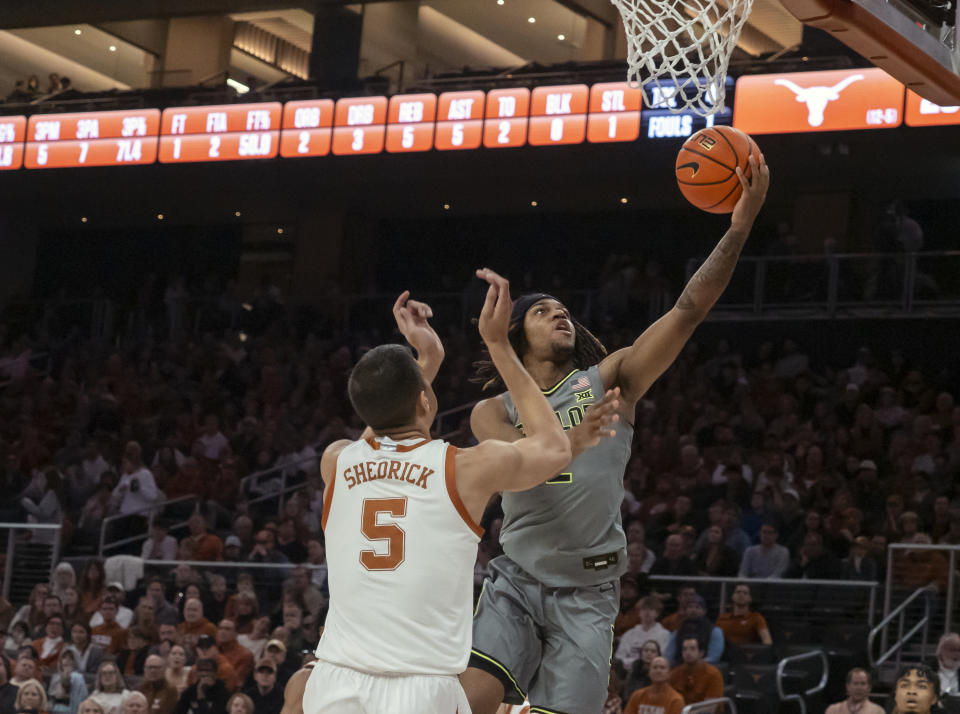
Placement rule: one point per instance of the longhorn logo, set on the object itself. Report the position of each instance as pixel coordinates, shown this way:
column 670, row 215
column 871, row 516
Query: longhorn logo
column 817, row 98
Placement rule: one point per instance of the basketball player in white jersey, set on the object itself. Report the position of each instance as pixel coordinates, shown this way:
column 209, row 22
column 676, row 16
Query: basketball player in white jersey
column 400, row 517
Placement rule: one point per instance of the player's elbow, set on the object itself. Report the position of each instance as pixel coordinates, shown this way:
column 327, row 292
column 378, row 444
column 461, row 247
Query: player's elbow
column 556, row 450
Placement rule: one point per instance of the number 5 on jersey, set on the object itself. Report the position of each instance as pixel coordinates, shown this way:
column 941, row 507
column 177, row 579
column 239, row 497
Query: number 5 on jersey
column 374, row 530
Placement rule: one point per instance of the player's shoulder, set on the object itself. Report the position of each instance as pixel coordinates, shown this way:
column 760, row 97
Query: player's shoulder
column 328, row 461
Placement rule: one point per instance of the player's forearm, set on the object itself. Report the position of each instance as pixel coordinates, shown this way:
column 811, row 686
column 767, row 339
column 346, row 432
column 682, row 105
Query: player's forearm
column 534, row 410
column 430, row 356
column 708, row 283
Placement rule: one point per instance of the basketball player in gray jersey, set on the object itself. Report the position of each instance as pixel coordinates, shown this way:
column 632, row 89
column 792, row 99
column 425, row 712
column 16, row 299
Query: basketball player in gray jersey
column 543, row 629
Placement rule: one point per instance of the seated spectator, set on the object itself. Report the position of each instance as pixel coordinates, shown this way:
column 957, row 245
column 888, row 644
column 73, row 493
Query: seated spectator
column 33, row 612
column 67, row 687
column 136, row 493
column 160, row 545
column 266, row 695
column 160, row 695
column 207, row 650
column 163, row 611
column 288, row 543
column 177, row 672
column 31, row 699
column 109, row 689
column 215, row 603
column 674, row 561
column 8, row 691
column 206, row 545
column 257, row 639
column 633, row 640
column 858, row 691
column 91, row 706
column 948, row 664
column 24, row 669
column 659, row 697
column 71, row 607
column 768, row 559
column 281, row 656
column 233, row 553
column 240, row 703
column 300, row 588
column 814, row 562
column 696, row 624
column 297, row 639
column 638, row 676
column 859, row 565
column 742, row 626
column 86, row 654
column 64, row 577
column 132, row 656
column 684, row 596
column 51, row 606
column 49, row 647
column 194, row 624
column 110, row 635
column 239, row 657
column 212, row 438
column 124, row 614
column 208, row 695
column 695, row 680
column 17, row 637
column 243, row 608
column 640, row 559
column 716, row 558
column 134, row 703
column 49, row 510
column 734, row 535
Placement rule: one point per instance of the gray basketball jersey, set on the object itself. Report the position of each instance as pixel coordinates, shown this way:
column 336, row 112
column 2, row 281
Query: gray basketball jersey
column 567, row 532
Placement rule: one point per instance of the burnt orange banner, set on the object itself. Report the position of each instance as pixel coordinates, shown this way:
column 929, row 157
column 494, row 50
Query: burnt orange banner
column 102, row 152
column 818, row 101
column 506, row 112
column 361, row 140
column 615, row 97
column 221, row 119
column 12, row 132
column 305, row 142
column 360, row 111
column 219, row 147
column 560, row 100
column 89, row 126
column 308, row 114
column 410, row 122
column 921, row 112
column 459, row 120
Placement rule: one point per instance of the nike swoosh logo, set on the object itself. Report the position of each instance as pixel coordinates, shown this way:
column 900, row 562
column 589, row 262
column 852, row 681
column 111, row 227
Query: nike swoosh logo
column 692, row 165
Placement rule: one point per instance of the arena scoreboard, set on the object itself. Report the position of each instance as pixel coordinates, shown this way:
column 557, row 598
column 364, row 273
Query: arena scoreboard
column 561, row 115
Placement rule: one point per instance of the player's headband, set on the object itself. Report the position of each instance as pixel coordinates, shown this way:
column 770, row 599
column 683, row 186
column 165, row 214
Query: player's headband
column 525, row 302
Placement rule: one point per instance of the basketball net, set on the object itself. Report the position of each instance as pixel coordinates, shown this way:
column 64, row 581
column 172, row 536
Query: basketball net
column 678, row 50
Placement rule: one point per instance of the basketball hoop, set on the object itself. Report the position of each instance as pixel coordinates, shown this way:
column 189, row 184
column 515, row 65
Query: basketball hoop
column 678, row 50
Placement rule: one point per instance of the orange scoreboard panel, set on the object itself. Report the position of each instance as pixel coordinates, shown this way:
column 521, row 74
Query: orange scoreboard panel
column 307, row 128
column 505, row 122
column 459, row 120
column 92, row 139
column 558, row 115
column 12, row 132
column 818, row 101
column 921, row 112
column 221, row 133
column 614, row 112
column 359, row 125
column 410, row 122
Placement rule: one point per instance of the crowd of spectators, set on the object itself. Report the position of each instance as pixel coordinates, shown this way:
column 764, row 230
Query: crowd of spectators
column 26, row 90
column 758, row 465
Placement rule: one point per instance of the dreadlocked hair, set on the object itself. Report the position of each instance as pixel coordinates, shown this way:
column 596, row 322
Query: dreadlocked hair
column 587, row 351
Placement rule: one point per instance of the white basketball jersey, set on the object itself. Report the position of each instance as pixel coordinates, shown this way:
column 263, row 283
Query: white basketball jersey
column 401, row 550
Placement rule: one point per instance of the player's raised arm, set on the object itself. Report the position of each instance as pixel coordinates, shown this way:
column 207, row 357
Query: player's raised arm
column 546, row 449
column 636, row 367
column 412, row 320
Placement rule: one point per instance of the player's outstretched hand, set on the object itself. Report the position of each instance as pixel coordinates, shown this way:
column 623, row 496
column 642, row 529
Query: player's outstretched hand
column 497, row 308
column 597, row 422
column 412, row 318
column 754, row 192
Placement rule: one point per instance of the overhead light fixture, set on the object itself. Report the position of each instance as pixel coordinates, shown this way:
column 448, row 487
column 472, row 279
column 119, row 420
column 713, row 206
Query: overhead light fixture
column 240, row 87
column 499, row 2
column 83, row 219
column 279, row 231
column 159, row 216
column 237, row 214
column 533, row 203
column 78, row 31
column 561, row 37
column 446, row 207
column 623, row 200
column 113, row 48
column 531, row 20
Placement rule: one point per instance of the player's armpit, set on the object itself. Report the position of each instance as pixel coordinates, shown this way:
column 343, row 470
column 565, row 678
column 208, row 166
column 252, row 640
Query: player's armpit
column 489, row 420
column 635, row 368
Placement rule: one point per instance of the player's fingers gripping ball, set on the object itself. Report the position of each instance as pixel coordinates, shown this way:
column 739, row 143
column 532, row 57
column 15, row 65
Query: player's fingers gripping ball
column 707, row 167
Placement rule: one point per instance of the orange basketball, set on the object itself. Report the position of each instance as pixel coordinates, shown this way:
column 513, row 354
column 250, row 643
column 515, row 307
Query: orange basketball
column 707, row 167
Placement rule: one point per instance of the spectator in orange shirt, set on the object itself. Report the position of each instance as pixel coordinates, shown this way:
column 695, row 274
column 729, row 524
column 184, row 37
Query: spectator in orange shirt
column 659, row 697
column 740, row 625
column 110, row 636
column 194, row 624
column 696, row 680
column 48, row 648
column 206, row 546
column 684, row 597
column 239, row 656
column 207, row 650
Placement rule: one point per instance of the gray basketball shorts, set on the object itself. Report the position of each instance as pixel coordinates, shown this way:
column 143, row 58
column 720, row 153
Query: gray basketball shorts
column 550, row 645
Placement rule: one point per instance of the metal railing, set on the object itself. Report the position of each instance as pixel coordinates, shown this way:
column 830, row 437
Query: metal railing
column 923, row 625
column 950, row 568
column 150, row 512
column 11, row 529
column 281, row 493
column 711, row 705
column 773, row 583
column 800, row 697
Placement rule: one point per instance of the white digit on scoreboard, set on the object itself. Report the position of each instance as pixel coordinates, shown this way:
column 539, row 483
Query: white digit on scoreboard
column 456, row 137
column 214, row 147
column 556, row 129
column 612, row 127
column 84, row 148
column 42, row 154
column 6, row 155
column 130, row 150
column 176, row 146
column 504, row 136
column 357, row 144
column 406, row 138
column 304, row 146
